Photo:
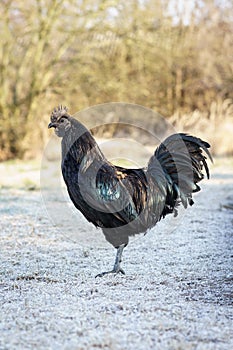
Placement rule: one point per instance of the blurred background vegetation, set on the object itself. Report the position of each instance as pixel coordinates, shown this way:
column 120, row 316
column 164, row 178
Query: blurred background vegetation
column 175, row 57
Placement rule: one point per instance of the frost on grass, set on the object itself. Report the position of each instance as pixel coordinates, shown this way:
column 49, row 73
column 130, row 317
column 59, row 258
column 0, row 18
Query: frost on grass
column 177, row 292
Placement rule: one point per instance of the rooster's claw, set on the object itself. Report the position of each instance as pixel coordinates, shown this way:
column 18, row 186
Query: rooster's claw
column 115, row 271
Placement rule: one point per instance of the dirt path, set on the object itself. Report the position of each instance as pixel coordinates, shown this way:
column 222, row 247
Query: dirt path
column 177, row 292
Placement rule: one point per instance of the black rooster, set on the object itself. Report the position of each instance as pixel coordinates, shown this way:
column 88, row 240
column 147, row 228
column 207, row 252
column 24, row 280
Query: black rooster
column 125, row 202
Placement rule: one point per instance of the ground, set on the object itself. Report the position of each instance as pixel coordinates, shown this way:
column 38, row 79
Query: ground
column 177, row 292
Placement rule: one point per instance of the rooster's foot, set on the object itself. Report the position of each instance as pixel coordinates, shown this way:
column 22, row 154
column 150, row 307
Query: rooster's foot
column 116, row 268
column 115, row 271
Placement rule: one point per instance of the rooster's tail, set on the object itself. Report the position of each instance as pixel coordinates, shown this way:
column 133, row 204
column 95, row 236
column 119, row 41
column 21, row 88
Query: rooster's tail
column 181, row 160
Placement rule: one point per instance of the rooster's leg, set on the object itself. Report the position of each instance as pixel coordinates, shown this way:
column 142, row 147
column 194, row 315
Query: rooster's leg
column 116, row 268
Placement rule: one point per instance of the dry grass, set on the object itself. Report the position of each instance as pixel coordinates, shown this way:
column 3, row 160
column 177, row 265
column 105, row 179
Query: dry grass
column 216, row 126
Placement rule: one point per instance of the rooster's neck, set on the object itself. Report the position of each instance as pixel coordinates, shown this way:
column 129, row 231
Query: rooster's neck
column 78, row 143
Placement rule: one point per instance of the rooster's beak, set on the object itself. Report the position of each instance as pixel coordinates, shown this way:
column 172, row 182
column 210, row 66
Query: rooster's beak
column 51, row 125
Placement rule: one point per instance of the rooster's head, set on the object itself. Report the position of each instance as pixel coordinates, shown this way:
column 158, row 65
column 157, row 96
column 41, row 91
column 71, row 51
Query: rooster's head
column 60, row 120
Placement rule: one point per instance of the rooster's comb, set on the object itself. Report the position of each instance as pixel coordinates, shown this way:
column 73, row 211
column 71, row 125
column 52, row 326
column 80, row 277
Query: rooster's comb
column 58, row 112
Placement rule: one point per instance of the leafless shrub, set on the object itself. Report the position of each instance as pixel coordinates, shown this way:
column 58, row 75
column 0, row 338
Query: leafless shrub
column 216, row 125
